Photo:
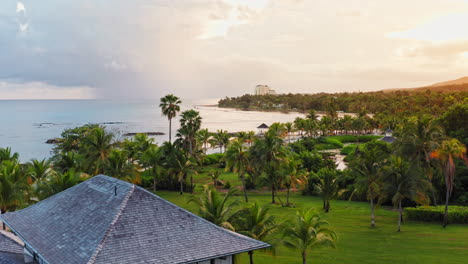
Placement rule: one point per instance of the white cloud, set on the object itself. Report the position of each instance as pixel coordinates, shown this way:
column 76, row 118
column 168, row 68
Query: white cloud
column 20, row 8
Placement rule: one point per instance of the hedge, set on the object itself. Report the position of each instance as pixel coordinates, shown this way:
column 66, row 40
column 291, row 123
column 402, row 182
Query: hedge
column 348, row 149
column 457, row 214
column 214, row 158
column 353, row 138
column 328, row 143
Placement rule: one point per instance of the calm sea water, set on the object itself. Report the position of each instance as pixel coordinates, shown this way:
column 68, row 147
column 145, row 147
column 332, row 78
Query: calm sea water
column 26, row 125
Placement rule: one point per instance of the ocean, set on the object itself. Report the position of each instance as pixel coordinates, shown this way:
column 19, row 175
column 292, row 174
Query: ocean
column 25, row 125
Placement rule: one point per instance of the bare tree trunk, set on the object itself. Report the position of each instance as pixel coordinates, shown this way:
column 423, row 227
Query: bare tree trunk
column 181, row 187
column 287, row 197
column 400, row 214
column 372, row 206
column 304, row 257
column 279, row 198
column 446, row 208
column 154, row 183
column 170, row 129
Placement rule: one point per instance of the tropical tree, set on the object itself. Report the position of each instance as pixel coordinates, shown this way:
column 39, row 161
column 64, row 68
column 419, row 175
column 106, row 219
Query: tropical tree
column 119, row 166
column 289, row 127
column 152, row 160
column 367, row 167
column 6, row 154
column 39, row 169
column 55, row 183
column 216, row 208
column 190, row 123
column 401, row 180
column 293, row 176
column 170, row 106
column 447, row 153
column 258, row 224
column 221, row 139
column 327, row 186
column 308, row 231
column 237, row 160
column 269, row 152
column 13, row 186
column 214, row 175
column 204, row 136
column 96, row 147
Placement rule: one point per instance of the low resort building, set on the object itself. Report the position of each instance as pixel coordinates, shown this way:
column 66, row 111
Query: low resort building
column 388, row 136
column 261, row 129
column 106, row 220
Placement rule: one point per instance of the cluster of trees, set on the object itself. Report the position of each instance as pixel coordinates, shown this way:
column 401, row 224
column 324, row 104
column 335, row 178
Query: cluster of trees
column 401, row 103
column 308, row 230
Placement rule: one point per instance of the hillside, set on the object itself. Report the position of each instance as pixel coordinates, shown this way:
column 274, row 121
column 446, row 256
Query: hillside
column 461, row 80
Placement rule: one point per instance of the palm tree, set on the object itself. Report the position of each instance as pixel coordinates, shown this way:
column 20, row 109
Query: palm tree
column 119, row 166
column 250, row 137
column 417, row 141
column 327, row 186
column 97, row 147
column 269, row 153
column 237, row 159
column 221, row 139
column 39, row 169
column 214, row 175
column 203, row 136
column 214, row 208
column 6, row 154
column 447, row 153
column 13, row 186
column 152, row 161
column 289, row 129
column 292, row 176
column 56, row 183
column 402, row 181
column 367, row 167
column 190, row 122
column 308, row 231
column 258, row 224
column 170, row 106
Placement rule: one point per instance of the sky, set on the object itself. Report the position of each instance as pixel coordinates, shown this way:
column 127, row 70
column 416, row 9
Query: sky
column 215, row 48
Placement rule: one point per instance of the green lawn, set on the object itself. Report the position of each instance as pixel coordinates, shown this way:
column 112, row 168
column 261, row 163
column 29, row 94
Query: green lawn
column 358, row 243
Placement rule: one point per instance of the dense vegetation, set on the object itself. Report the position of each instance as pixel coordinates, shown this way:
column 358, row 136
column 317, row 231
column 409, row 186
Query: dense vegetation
column 433, row 101
column 426, row 165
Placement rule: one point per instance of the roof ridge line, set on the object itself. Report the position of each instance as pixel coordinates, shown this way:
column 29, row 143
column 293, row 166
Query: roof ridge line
column 100, row 246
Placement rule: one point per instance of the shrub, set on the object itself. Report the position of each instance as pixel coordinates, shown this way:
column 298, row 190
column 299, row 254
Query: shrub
column 328, row 143
column 457, row 214
column 227, row 185
column 348, row 149
column 211, row 159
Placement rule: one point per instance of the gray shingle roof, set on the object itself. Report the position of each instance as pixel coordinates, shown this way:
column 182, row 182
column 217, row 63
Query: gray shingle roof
column 262, row 126
column 11, row 258
column 388, row 139
column 9, row 244
column 93, row 223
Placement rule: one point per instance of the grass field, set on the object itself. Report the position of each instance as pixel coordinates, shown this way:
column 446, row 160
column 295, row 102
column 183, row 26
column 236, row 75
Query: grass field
column 358, row 243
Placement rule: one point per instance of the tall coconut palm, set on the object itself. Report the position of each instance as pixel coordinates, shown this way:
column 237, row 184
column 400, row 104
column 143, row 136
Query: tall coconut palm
column 204, row 136
column 402, row 181
column 308, row 231
column 55, row 183
column 39, row 169
column 447, row 153
column 221, row 139
column 152, row 161
column 6, row 154
column 13, row 186
column 327, row 186
column 258, row 224
column 289, row 129
column 97, row 147
column 170, row 106
column 216, row 208
column 417, row 141
column 237, row 160
column 367, row 167
column 292, row 176
column 190, row 123
column 269, row 153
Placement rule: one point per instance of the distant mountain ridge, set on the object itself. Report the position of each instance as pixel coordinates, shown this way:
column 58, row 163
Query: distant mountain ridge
column 458, row 85
column 461, row 80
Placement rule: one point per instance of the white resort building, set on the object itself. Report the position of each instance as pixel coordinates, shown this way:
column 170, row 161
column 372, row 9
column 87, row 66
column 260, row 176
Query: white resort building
column 264, row 90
